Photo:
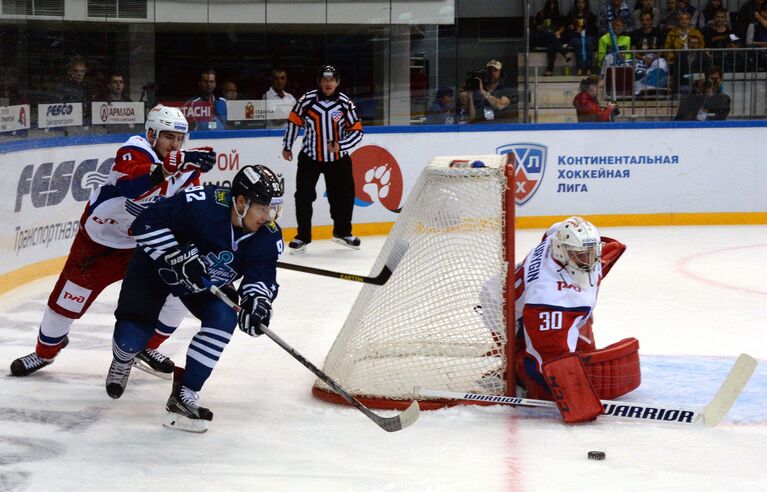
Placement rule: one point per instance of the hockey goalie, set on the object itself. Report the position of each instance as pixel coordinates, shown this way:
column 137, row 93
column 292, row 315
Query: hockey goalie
column 556, row 292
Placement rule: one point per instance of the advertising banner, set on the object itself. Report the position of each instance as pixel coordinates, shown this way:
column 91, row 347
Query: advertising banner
column 117, row 112
column 14, row 118
column 257, row 110
column 59, row 114
column 558, row 173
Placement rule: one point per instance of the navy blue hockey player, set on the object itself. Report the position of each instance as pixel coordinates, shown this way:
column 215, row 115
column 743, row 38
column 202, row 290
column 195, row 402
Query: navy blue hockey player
column 205, row 235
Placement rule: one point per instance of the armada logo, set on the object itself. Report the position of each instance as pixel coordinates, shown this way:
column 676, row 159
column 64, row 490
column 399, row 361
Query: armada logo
column 47, row 185
column 529, row 166
column 108, row 111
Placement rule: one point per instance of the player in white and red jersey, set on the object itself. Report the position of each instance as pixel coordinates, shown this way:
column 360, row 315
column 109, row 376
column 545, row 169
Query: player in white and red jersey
column 556, row 289
column 556, row 292
column 145, row 170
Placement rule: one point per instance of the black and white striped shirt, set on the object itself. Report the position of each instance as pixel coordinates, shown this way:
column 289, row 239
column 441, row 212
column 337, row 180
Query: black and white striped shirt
column 325, row 119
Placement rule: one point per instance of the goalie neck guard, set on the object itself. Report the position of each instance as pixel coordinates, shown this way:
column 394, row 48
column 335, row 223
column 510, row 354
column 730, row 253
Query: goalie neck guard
column 576, row 246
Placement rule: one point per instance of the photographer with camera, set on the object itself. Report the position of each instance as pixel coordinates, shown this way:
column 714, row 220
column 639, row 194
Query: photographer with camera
column 491, row 97
column 587, row 107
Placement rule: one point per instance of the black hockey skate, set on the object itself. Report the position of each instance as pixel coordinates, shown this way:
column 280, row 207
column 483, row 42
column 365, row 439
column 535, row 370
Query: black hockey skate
column 184, row 410
column 117, row 378
column 297, row 246
column 24, row 366
column 155, row 363
column 352, row 242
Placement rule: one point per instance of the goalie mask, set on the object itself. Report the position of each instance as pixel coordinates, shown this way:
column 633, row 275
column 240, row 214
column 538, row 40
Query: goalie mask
column 577, row 246
column 259, row 185
column 165, row 119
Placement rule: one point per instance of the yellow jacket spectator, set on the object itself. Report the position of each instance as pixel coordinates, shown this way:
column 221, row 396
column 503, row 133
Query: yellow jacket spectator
column 678, row 38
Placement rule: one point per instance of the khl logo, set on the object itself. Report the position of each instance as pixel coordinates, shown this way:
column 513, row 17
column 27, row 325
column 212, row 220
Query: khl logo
column 529, row 166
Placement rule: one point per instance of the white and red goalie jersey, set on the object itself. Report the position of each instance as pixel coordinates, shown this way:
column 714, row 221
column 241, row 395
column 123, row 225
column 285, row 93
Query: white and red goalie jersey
column 554, row 312
column 130, row 186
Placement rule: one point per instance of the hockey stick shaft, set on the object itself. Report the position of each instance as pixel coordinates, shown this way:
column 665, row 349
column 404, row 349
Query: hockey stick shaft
column 379, row 279
column 711, row 415
column 389, row 424
column 616, row 409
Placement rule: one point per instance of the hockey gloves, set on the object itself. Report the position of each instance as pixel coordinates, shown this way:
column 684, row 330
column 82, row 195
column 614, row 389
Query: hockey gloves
column 200, row 159
column 185, row 272
column 256, row 310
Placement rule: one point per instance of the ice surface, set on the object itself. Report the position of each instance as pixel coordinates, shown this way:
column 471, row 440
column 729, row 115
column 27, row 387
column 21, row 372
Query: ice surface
column 695, row 297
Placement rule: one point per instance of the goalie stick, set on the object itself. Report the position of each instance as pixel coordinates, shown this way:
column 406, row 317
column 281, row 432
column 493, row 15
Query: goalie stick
column 710, row 415
column 389, row 424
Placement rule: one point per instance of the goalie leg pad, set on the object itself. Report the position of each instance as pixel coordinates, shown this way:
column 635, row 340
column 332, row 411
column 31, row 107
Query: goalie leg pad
column 571, row 389
column 614, row 370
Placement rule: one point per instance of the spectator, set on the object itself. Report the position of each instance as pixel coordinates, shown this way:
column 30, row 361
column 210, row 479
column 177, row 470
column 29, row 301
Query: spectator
column 441, row 110
column 546, row 21
column 715, row 107
column 691, row 62
column 650, row 70
column 747, row 16
column 277, row 92
column 492, row 99
column 679, row 37
column 718, row 35
column 612, row 43
column 116, row 88
column 586, row 106
column 75, row 89
column 714, row 74
column 683, row 6
column 229, row 91
column 668, row 18
column 646, row 6
column 464, row 107
column 756, row 36
column 614, row 9
column 582, row 24
column 703, row 103
column 550, row 34
column 691, row 102
column 213, row 107
column 707, row 15
column 325, row 150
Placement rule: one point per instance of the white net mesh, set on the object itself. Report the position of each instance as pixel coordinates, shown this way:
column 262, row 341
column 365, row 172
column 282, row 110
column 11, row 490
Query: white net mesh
column 438, row 322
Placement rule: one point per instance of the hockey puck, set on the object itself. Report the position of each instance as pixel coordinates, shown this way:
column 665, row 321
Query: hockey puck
column 596, row 455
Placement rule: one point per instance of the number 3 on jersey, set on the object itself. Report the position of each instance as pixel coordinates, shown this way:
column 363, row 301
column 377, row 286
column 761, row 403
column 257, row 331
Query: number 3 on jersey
column 550, row 320
column 194, row 193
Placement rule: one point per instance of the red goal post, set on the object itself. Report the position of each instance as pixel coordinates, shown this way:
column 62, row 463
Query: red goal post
column 445, row 318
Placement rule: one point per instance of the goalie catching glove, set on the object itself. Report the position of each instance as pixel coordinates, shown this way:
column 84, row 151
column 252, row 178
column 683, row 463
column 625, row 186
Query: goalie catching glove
column 255, row 311
column 184, row 271
column 200, row 159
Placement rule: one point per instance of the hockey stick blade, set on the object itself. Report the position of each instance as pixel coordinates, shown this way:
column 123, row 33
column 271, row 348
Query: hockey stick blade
column 379, row 279
column 389, row 424
column 733, row 385
column 711, row 415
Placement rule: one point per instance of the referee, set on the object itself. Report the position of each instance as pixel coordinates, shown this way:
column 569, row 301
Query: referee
column 331, row 129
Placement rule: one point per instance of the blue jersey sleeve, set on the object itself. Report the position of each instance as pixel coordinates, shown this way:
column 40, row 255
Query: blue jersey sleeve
column 260, row 266
column 153, row 228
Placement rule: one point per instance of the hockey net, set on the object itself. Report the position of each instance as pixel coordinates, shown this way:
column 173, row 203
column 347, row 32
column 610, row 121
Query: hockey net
column 439, row 322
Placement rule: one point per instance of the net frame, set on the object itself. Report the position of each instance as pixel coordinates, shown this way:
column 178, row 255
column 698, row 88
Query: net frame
column 502, row 168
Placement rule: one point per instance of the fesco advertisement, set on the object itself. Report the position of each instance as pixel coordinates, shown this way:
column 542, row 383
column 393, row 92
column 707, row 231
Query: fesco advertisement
column 643, row 171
